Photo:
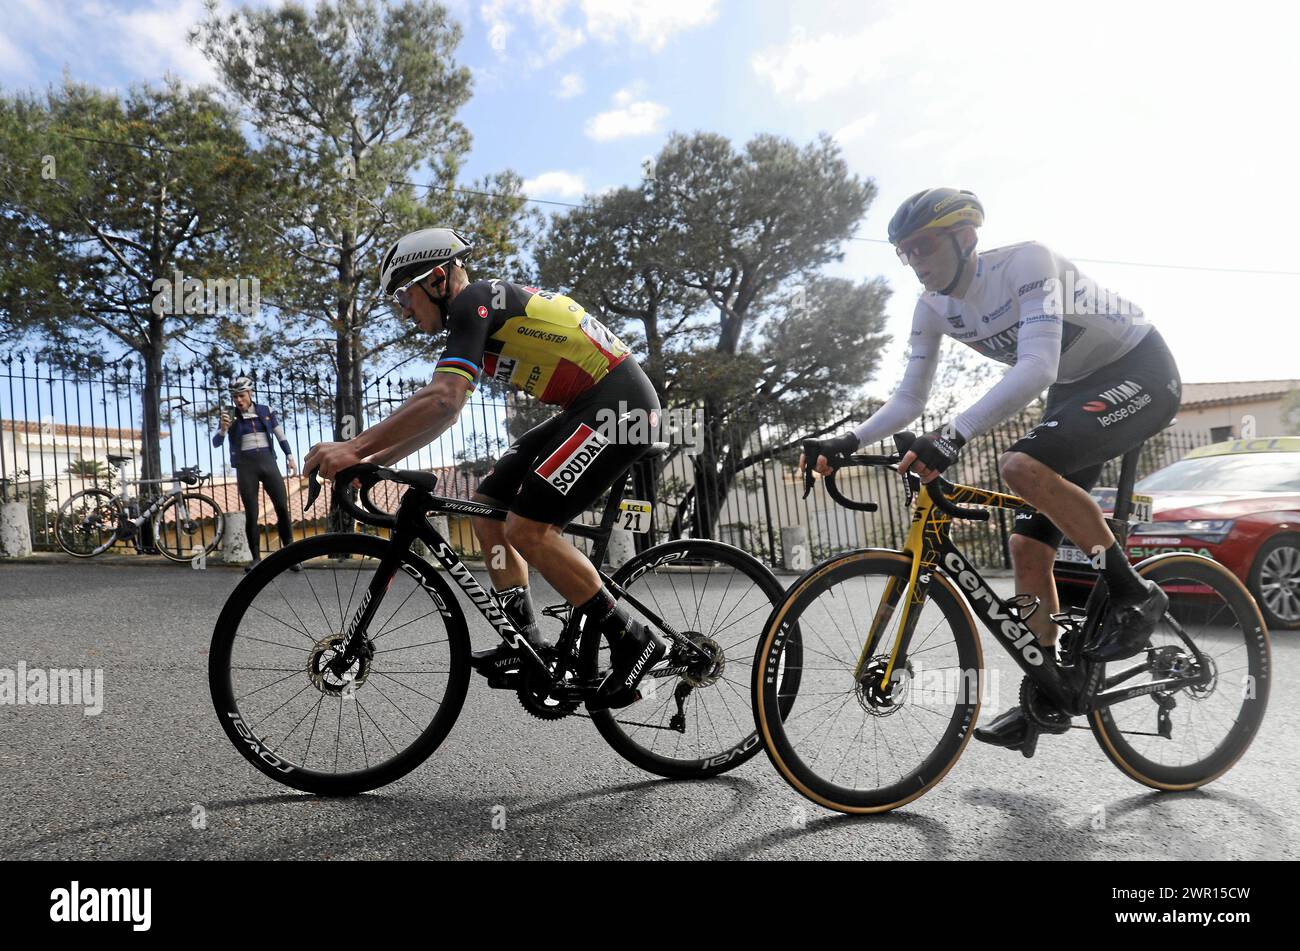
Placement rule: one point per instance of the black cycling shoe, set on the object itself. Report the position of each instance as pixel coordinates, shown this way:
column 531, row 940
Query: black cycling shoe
column 251, row 565
column 295, row 568
column 1129, row 624
column 1014, row 730
column 631, row 654
column 496, row 662
column 1008, row 730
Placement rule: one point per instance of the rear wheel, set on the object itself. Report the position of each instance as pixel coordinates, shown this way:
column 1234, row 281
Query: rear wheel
column 1184, row 738
column 88, row 522
column 694, row 719
column 188, row 526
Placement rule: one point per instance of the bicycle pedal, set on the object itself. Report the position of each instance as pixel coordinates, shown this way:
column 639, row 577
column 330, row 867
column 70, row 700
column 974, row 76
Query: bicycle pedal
column 510, row 680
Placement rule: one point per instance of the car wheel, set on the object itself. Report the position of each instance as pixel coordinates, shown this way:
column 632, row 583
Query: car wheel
column 1275, row 581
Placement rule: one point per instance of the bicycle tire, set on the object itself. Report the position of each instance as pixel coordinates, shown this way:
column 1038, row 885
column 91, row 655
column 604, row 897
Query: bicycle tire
column 1116, row 742
column 107, row 506
column 802, row 775
column 254, row 746
column 735, row 740
column 160, row 532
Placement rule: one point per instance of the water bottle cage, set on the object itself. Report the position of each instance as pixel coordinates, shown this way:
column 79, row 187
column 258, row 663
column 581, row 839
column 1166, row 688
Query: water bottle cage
column 1023, row 606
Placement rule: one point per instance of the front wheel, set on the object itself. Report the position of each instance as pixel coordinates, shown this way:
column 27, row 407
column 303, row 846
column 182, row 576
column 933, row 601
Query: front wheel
column 863, row 736
column 88, row 522
column 187, row 526
column 694, row 719
column 281, row 684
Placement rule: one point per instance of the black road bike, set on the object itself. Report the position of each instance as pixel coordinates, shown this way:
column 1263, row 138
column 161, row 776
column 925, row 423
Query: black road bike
column 179, row 523
column 888, row 690
column 340, row 681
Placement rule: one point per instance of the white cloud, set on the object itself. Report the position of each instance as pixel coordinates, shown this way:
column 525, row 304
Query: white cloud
column 571, row 84
column 633, row 117
column 14, row 62
column 158, row 36
column 1109, row 162
column 555, row 185
column 808, row 69
column 649, row 24
column 557, row 27
column 104, row 43
column 857, row 128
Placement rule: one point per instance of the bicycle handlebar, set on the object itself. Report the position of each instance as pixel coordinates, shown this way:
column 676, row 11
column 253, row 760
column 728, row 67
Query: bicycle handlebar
column 938, row 487
column 369, row 475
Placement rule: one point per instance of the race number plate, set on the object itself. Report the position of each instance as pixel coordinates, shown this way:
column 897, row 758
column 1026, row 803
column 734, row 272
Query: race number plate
column 634, row 516
column 1141, row 509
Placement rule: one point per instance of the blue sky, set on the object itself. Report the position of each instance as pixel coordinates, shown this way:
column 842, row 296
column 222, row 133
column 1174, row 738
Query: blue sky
column 1114, row 132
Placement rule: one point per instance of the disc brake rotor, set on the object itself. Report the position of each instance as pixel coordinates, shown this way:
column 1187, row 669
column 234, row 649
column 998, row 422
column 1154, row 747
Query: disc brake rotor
column 704, row 671
column 326, row 669
column 870, row 689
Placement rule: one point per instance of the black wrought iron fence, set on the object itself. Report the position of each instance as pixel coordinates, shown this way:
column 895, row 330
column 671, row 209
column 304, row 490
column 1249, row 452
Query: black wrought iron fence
column 731, row 478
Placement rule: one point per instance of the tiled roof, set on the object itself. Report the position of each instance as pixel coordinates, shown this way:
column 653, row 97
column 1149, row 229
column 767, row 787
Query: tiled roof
column 1209, row 394
column 35, row 427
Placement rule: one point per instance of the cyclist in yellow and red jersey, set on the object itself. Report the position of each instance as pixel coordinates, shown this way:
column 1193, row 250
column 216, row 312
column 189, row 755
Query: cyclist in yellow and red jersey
column 547, row 345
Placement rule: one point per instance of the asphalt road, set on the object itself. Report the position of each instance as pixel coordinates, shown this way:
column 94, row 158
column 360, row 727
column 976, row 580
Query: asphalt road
column 153, row 776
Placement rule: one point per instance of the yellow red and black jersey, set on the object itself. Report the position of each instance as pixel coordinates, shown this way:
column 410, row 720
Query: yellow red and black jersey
column 540, row 342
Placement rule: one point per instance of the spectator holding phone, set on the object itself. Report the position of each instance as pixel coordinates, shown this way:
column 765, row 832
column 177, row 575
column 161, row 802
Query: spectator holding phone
column 253, row 456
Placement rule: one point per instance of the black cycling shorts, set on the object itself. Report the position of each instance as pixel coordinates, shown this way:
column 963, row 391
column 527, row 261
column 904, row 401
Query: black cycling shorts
column 558, row 469
column 1100, row 417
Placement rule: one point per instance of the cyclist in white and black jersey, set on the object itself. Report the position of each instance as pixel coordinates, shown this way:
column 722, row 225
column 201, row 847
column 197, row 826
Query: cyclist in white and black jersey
column 1111, row 384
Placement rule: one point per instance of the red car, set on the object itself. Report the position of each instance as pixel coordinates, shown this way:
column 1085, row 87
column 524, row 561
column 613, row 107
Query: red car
column 1237, row 502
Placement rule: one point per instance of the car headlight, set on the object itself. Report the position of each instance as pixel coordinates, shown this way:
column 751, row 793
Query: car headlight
column 1210, row 529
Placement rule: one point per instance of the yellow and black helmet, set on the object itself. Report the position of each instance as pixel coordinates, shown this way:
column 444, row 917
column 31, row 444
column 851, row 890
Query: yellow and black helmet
column 935, row 208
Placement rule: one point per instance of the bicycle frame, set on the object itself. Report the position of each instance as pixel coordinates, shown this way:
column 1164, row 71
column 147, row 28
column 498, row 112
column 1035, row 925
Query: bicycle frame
column 177, row 490
column 930, row 546
column 152, row 508
column 412, row 522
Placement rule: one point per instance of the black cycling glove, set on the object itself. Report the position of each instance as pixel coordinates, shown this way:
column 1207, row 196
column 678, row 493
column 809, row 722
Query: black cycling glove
column 833, row 449
column 939, row 449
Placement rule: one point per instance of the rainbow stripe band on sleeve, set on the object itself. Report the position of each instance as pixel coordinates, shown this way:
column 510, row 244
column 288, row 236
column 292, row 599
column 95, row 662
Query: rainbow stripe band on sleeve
column 461, row 367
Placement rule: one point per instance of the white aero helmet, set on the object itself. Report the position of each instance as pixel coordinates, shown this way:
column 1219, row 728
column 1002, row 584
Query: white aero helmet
column 241, row 384
column 415, row 256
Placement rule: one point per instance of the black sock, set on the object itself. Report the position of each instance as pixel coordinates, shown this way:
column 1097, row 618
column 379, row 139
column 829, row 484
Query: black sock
column 1120, row 577
column 603, row 610
column 518, row 605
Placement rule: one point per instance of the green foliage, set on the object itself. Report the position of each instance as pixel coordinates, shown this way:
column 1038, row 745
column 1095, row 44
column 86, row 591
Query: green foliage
column 355, row 99
column 710, row 270
column 89, row 469
column 89, row 226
